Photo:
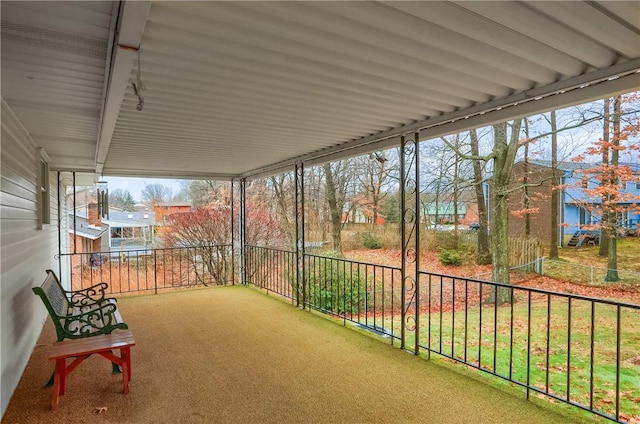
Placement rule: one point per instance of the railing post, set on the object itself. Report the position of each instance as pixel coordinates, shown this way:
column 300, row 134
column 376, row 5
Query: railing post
column 155, row 271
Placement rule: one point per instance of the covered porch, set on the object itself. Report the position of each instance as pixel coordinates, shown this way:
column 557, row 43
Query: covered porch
column 237, row 91
column 209, row 355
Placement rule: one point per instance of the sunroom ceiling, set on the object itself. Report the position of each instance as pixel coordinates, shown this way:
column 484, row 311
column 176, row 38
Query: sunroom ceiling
column 243, row 88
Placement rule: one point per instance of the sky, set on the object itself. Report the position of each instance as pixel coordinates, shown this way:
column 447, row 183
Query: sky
column 135, row 185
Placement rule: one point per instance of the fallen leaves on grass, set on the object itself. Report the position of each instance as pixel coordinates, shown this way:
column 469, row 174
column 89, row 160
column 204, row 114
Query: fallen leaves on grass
column 429, row 262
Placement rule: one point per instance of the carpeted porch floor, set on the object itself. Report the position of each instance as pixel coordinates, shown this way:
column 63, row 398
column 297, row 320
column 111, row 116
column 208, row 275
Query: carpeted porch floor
column 236, row 355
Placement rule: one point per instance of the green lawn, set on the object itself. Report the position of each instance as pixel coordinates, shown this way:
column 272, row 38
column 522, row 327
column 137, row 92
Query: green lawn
column 556, row 366
column 628, row 254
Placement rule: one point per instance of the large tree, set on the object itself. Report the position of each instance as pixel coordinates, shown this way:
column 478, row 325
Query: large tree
column 484, row 254
column 374, row 177
column 283, row 191
column 207, row 230
column 605, row 186
column 155, row 194
column 122, row 199
column 555, row 189
column 506, row 142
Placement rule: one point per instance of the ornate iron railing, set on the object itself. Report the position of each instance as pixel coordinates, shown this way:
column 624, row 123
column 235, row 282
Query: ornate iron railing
column 578, row 350
column 151, row 270
column 364, row 294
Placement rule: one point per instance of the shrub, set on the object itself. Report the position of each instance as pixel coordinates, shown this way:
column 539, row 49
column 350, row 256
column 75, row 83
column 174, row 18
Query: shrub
column 370, row 241
column 331, row 286
column 450, row 257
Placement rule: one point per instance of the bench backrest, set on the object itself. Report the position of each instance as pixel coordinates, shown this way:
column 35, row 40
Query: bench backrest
column 53, row 296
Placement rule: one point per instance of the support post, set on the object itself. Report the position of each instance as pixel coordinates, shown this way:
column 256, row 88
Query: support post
column 242, row 227
column 233, row 235
column 300, row 274
column 410, row 233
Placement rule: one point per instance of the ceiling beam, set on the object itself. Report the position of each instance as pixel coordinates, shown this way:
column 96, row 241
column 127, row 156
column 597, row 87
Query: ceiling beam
column 129, row 29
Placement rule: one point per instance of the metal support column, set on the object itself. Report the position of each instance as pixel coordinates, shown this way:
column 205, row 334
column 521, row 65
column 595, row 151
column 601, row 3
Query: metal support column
column 242, row 229
column 233, row 234
column 300, row 289
column 410, row 236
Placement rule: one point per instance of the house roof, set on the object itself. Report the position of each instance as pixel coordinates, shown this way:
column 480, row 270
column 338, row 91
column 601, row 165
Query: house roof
column 564, row 166
column 574, row 166
column 445, row 208
column 130, row 219
column 81, row 228
column 239, row 89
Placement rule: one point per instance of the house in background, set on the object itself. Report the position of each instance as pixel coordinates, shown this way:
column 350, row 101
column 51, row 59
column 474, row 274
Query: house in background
column 578, row 211
column 164, row 210
column 130, row 230
column 120, row 231
column 86, row 230
column 444, row 212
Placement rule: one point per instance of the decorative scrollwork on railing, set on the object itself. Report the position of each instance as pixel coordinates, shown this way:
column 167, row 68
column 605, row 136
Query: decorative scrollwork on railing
column 410, row 186
column 410, row 255
column 410, row 305
column 410, row 321
column 409, row 216
column 409, row 149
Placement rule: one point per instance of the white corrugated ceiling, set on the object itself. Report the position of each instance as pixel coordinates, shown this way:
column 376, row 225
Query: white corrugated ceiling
column 241, row 88
column 53, row 70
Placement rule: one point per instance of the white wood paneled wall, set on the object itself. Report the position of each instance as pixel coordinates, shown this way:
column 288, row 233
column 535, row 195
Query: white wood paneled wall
column 26, row 250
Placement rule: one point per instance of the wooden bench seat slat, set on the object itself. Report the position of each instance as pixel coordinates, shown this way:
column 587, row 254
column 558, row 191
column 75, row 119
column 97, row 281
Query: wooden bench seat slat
column 81, row 349
column 91, row 344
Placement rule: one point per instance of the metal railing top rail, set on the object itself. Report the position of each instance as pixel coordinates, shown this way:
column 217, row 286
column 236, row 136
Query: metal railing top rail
column 474, row 280
column 145, row 270
column 353, row 261
column 538, row 290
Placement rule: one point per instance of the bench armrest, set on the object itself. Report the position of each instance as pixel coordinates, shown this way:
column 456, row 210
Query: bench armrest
column 90, row 295
column 103, row 318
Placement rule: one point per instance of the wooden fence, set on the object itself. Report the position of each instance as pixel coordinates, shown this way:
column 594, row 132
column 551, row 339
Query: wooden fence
column 525, row 253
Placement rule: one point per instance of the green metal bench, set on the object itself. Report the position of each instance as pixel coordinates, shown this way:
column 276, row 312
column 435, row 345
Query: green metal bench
column 79, row 313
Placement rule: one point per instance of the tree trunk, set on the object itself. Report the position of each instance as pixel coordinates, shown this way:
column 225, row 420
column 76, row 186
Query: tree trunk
column 283, row 206
column 504, row 156
column 336, row 215
column 612, row 251
column 555, row 194
column 605, row 234
column 527, row 200
column 484, row 255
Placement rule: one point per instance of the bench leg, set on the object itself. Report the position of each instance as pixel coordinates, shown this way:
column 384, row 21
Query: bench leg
column 58, row 383
column 115, row 369
column 126, row 368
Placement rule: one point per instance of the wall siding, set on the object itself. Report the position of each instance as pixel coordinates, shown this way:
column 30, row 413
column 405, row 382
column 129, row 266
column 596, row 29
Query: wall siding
column 25, row 251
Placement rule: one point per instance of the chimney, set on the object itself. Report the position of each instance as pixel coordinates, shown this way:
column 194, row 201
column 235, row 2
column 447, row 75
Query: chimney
column 94, row 216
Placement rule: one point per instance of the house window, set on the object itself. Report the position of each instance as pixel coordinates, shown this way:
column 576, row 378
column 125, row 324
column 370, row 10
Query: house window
column 44, row 190
column 585, row 183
